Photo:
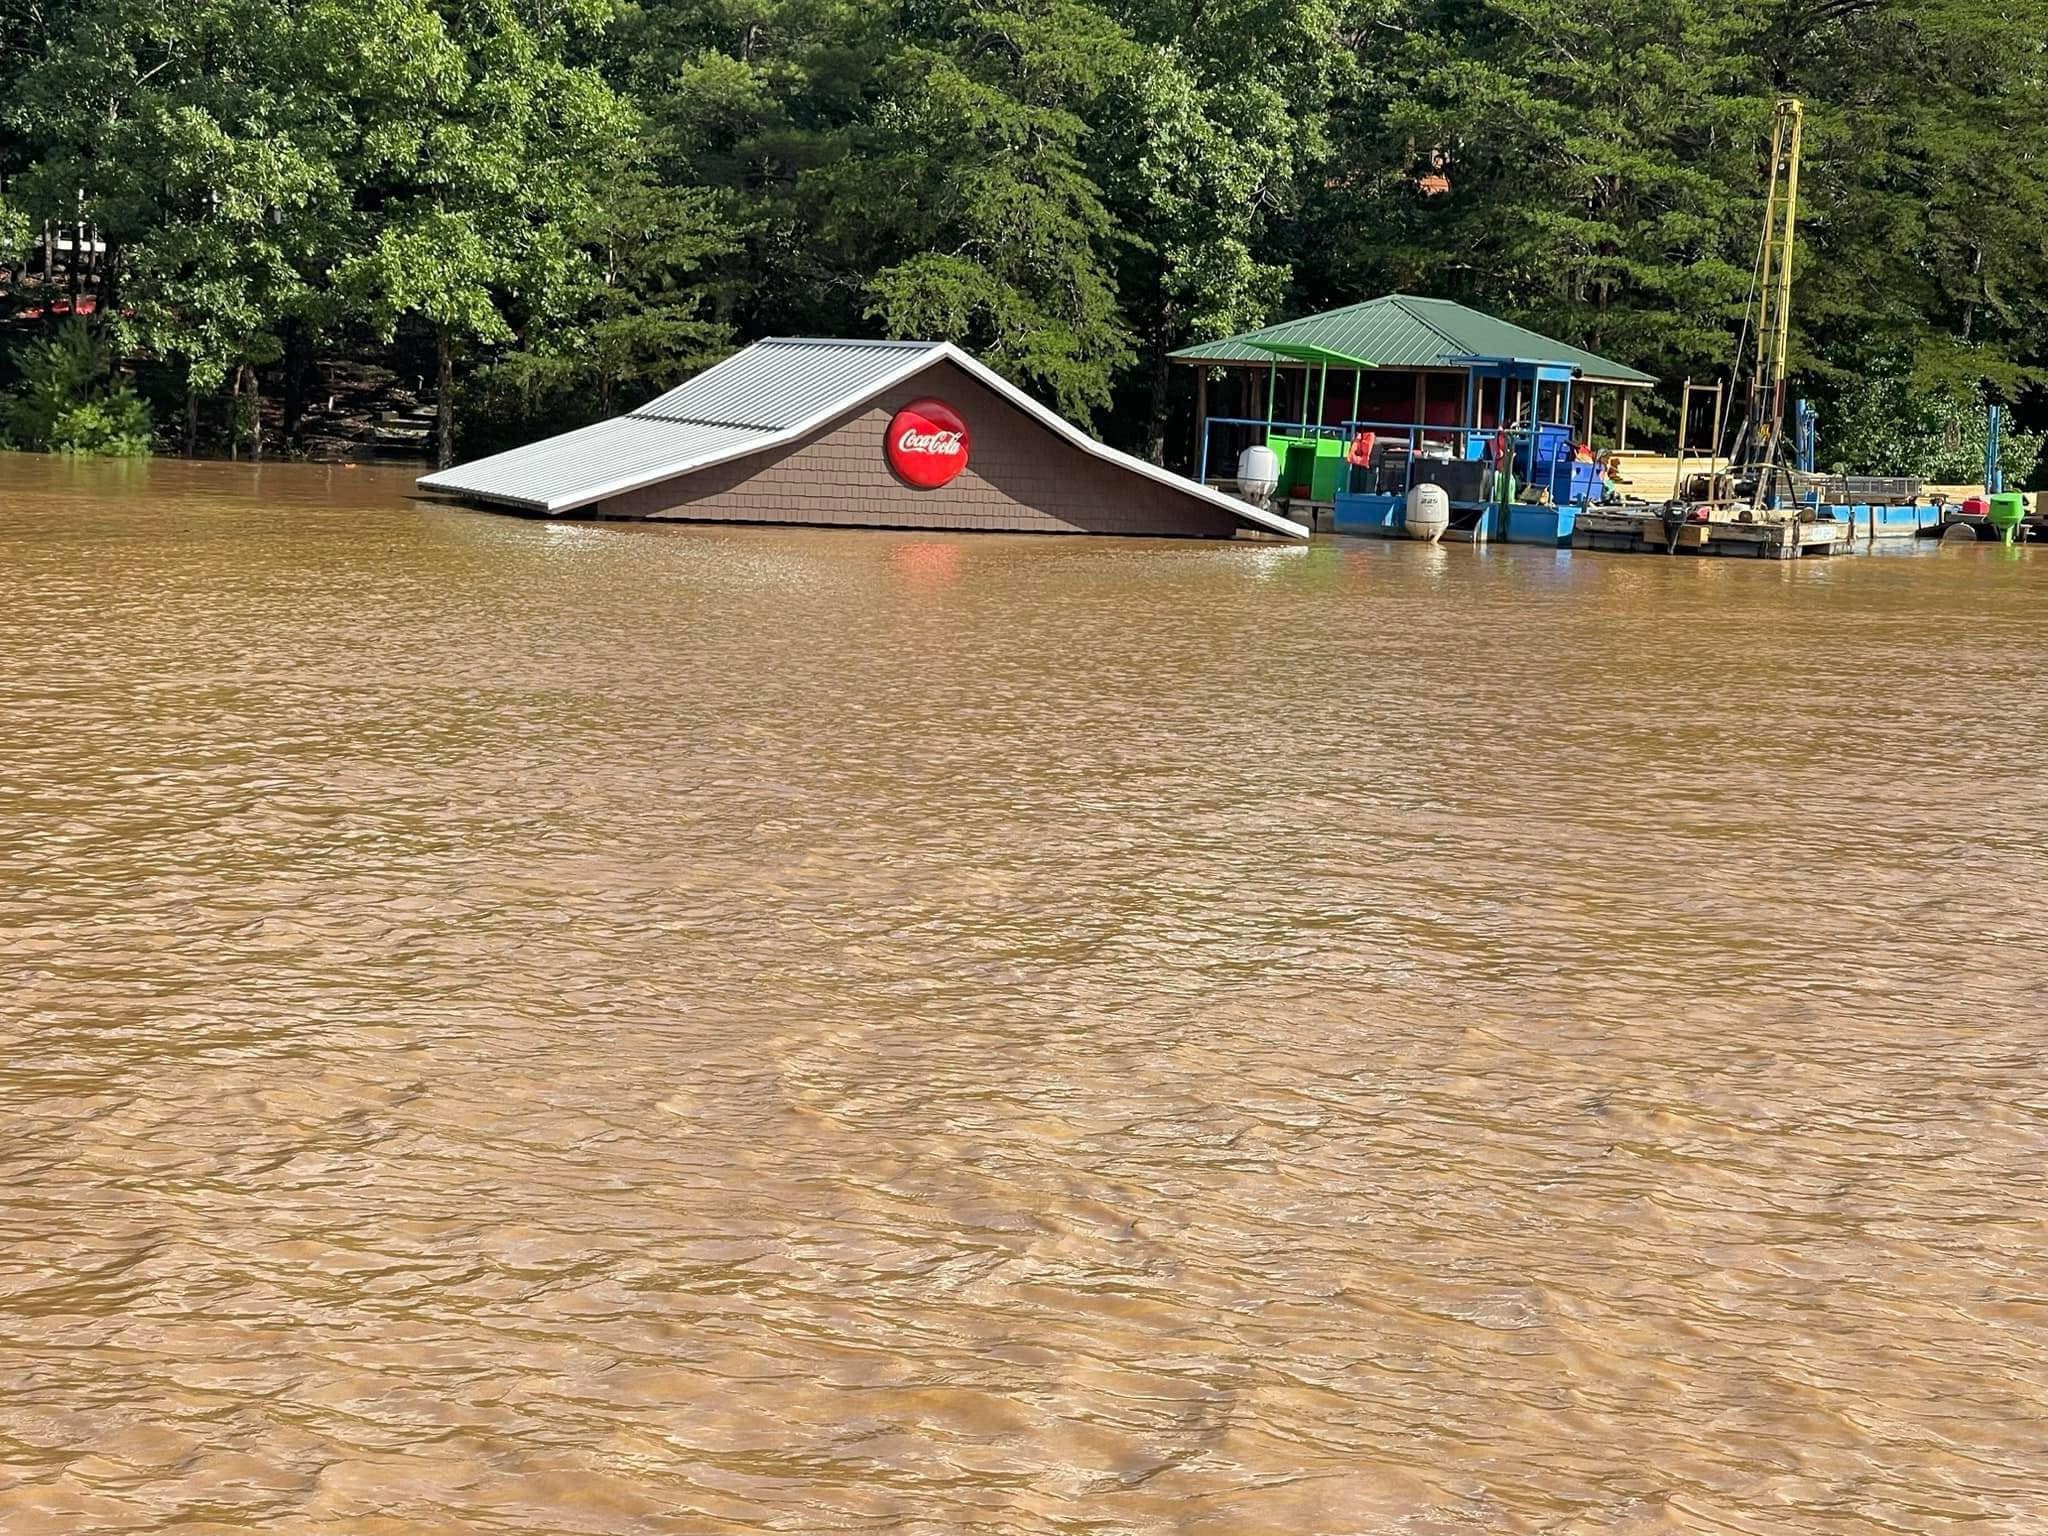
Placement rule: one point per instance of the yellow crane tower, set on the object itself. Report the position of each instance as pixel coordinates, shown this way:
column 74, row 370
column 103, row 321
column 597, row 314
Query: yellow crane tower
column 1771, row 304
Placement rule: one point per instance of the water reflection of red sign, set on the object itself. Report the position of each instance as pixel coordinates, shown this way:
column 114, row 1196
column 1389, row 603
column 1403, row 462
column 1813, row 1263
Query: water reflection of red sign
column 927, row 443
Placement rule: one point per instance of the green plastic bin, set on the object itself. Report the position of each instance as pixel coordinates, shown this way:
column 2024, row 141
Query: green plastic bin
column 1314, row 462
column 2008, row 510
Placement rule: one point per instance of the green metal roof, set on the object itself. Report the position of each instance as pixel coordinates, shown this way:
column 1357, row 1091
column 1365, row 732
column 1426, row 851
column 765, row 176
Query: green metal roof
column 1401, row 331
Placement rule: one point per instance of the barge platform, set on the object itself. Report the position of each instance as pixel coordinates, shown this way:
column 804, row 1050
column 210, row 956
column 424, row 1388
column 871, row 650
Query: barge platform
column 1649, row 533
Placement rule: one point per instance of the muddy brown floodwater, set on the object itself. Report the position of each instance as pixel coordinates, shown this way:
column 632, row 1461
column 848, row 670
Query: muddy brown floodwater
column 561, row 1029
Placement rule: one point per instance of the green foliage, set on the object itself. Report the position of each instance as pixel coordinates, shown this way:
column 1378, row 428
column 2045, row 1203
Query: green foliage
column 14, row 232
column 478, row 148
column 1885, row 425
column 1603, row 169
column 580, row 202
column 970, row 182
column 635, row 324
column 67, row 400
column 1928, row 186
column 114, row 426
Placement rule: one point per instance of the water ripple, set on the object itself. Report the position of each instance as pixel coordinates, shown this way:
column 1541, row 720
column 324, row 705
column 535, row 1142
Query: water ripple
column 547, row 1029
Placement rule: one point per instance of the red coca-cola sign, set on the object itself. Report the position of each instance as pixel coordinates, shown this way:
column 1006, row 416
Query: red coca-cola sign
column 927, row 443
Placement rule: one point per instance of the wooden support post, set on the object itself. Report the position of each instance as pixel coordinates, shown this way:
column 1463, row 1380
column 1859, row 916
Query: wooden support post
column 1621, row 427
column 1202, row 423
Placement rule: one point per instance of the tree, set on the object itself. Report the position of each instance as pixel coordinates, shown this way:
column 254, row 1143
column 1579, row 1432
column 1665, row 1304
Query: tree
column 970, row 185
column 1603, row 162
column 637, row 324
column 1923, row 240
column 912, row 170
column 1201, row 148
column 1884, row 425
column 69, row 399
column 169, row 129
column 591, row 198
column 471, row 165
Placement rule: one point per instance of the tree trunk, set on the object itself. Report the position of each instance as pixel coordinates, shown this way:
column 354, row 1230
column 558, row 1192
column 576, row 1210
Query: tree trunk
column 1970, row 305
column 444, row 400
column 1155, row 415
column 235, row 410
column 294, row 379
column 110, row 280
column 255, row 417
column 191, row 416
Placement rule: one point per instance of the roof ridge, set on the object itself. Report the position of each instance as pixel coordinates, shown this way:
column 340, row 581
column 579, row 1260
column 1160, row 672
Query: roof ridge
column 1281, row 325
column 838, row 341
column 1404, row 300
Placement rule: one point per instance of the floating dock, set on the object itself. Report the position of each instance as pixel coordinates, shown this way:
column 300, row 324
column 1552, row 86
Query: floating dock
column 1628, row 531
column 1883, row 520
column 1955, row 524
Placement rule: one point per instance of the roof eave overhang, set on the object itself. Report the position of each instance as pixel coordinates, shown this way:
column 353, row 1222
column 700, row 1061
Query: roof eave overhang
column 424, row 486
column 1267, row 360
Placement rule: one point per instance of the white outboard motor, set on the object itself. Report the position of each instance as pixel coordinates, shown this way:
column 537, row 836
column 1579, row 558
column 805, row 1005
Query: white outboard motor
column 1428, row 513
column 1258, row 474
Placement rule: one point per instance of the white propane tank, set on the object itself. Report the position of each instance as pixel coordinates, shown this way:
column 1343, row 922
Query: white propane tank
column 1258, row 474
column 1429, row 512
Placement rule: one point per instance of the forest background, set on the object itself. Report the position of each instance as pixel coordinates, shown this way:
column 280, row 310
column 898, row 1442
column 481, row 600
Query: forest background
column 544, row 211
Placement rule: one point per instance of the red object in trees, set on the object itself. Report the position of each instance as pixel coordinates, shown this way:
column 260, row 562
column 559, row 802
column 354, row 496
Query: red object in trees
column 87, row 304
column 927, row 444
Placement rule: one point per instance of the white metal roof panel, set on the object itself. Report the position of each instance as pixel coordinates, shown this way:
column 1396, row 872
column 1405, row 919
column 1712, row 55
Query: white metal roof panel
column 552, row 475
column 779, row 382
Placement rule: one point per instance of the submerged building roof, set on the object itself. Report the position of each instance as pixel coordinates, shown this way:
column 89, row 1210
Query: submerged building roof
column 771, row 395
column 1401, row 331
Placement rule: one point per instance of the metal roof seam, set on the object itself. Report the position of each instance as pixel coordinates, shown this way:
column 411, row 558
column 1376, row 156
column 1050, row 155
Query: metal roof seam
column 1407, row 303
column 773, row 384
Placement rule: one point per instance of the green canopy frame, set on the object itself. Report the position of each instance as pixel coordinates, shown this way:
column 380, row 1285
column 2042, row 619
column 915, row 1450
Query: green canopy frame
column 1302, row 352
